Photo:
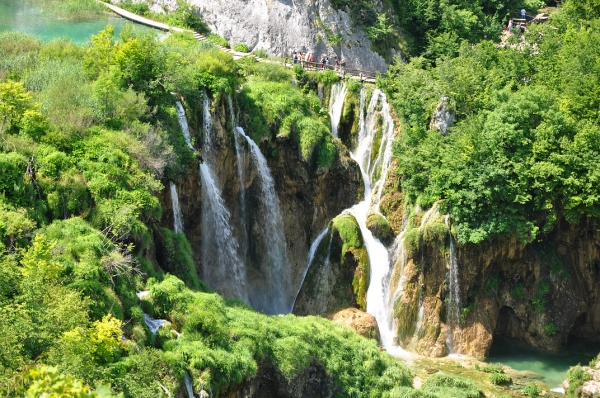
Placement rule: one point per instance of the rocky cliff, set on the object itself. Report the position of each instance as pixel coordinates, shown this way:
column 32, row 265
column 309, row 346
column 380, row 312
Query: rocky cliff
column 309, row 197
column 544, row 293
column 281, row 27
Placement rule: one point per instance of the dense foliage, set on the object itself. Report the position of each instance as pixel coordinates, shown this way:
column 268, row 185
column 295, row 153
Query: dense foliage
column 524, row 149
column 86, row 134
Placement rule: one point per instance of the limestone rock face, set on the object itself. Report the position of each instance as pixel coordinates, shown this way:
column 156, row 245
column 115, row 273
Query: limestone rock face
column 541, row 293
column 280, row 27
column 364, row 324
column 443, row 116
column 590, row 388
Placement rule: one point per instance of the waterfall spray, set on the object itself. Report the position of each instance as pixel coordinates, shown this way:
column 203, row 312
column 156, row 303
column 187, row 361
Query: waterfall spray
column 177, row 216
column 336, row 104
column 184, row 124
column 311, row 256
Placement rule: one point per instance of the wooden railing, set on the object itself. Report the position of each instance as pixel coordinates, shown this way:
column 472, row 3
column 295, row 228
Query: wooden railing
column 341, row 71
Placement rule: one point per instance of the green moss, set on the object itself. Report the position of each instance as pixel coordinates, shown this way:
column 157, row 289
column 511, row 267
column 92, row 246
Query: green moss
column 380, row 228
column 348, row 229
column 413, row 239
column 406, row 314
column 360, row 282
column 435, row 232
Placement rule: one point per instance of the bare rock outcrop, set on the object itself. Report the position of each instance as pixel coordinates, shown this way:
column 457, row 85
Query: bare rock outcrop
column 365, row 324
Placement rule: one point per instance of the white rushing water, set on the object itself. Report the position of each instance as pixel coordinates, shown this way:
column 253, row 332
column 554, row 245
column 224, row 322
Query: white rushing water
column 311, row 256
column 188, row 385
column 240, row 155
column 277, row 280
column 184, row 124
column 177, row 216
column 379, row 296
column 153, row 324
column 454, row 290
column 336, row 105
column 222, row 268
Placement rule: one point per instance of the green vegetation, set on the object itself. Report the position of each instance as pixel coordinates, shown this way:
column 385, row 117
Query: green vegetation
column 551, row 329
column 517, row 292
column 496, row 371
column 532, row 390
column 241, row 47
column 185, row 16
column 72, row 9
column 576, row 377
column 539, row 296
column 218, row 40
column 523, row 150
column 276, row 108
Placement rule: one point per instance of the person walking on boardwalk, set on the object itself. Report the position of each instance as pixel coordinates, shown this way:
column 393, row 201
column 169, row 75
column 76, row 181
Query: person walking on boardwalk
column 523, row 14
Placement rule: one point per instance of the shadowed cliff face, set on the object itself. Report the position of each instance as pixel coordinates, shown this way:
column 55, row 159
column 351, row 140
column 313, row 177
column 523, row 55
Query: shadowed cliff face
column 309, row 198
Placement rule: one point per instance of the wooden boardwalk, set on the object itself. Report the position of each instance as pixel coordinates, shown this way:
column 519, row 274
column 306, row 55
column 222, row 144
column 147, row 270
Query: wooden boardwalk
column 366, row 76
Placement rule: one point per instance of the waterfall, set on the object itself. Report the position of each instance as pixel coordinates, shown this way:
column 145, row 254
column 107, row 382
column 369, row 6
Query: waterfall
column 184, row 124
column 177, row 216
column 454, row 305
column 223, row 269
column 188, row 385
column 153, row 324
column 374, row 172
column 336, row 104
column 311, row 256
column 324, row 270
column 276, row 269
column 207, row 125
column 239, row 152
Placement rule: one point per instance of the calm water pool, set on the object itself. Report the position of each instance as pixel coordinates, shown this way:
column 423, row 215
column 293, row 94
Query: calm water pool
column 26, row 17
column 552, row 365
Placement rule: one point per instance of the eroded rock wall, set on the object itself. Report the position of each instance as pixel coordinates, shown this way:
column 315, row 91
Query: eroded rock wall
column 309, row 197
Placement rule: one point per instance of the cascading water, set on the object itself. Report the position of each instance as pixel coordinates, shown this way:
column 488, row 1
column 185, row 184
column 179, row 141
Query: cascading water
column 311, row 256
column 374, row 172
column 188, row 385
column 454, row 290
column 177, row 216
column 336, row 104
column 277, row 281
column 184, row 124
column 239, row 152
column 223, row 269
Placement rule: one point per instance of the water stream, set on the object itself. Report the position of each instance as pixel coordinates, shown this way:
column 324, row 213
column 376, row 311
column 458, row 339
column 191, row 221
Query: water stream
column 184, row 124
column 336, row 104
column 177, row 216
column 311, row 256
column 276, row 271
column 374, row 172
column 223, row 269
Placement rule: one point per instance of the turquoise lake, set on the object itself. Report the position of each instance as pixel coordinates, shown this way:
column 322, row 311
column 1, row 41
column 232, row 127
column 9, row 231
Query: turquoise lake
column 26, row 17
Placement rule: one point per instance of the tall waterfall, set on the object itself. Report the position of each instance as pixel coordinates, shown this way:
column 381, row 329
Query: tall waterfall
column 177, row 216
column 374, row 172
column 276, row 271
column 223, row 268
column 184, row 124
column 240, row 154
column 336, row 104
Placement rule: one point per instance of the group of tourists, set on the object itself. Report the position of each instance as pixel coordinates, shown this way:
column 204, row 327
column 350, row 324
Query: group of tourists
column 520, row 25
column 304, row 58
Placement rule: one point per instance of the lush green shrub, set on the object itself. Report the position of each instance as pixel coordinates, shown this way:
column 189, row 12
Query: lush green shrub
column 499, row 378
column 241, row 47
column 532, row 390
column 551, row 329
column 450, row 386
column 218, row 40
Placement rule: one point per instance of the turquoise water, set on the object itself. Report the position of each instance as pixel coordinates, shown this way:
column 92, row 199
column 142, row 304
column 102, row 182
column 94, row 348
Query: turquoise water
column 552, row 365
column 27, row 17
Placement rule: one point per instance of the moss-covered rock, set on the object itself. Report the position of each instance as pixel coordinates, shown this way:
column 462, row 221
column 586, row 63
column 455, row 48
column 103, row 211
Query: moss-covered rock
column 381, row 229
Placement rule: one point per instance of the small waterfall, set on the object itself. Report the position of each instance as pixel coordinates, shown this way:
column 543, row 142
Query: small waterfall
column 336, row 104
column 177, row 216
column 325, row 269
column 184, row 124
column 188, row 385
column 311, row 256
column 153, row 324
column 223, row 269
column 454, row 305
column 207, row 125
column 276, row 270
